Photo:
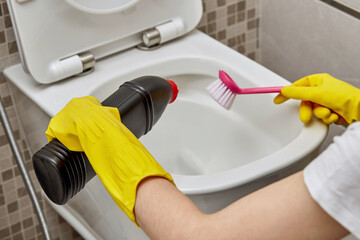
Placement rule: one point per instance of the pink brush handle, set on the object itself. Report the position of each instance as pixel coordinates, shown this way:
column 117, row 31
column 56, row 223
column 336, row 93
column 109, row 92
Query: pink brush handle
column 259, row 90
column 230, row 84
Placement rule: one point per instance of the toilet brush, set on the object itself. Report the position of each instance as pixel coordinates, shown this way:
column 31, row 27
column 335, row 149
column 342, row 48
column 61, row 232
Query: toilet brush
column 224, row 90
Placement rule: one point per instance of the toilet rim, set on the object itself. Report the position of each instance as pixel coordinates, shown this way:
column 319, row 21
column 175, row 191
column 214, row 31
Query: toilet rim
column 309, row 138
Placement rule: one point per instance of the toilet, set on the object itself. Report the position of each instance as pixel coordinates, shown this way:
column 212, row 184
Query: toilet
column 86, row 47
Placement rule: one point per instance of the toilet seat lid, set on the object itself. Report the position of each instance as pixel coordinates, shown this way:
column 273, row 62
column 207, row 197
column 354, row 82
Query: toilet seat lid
column 49, row 32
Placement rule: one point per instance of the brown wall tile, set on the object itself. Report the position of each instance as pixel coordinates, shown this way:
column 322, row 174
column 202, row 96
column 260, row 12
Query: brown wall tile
column 28, row 222
column 7, row 175
column 4, row 233
column 2, row 201
column 241, row 6
column 2, row 37
column 15, row 227
column 12, row 207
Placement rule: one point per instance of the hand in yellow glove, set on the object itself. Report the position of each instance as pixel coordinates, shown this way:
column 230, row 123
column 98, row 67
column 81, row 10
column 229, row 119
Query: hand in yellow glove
column 118, row 158
column 326, row 97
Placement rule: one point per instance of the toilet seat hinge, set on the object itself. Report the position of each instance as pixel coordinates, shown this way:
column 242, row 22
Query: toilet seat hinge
column 88, row 62
column 76, row 65
column 153, row 38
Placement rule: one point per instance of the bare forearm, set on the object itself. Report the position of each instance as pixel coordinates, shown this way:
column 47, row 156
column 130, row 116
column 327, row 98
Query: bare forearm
column 163, row 212
column 283, row 210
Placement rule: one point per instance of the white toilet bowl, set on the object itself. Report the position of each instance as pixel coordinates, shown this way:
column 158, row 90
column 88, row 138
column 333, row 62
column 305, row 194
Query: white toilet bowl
column 215, row 156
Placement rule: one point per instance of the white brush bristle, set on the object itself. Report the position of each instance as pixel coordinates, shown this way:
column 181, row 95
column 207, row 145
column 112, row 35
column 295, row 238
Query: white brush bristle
column 219, row 91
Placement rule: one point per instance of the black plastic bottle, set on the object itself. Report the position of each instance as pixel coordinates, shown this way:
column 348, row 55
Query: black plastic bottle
column 63, row 173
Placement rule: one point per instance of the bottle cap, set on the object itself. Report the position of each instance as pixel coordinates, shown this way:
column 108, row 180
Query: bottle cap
column 175, row 90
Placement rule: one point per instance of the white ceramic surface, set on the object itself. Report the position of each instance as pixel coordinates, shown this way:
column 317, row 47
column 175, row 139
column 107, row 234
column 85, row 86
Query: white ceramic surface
column 215, row 156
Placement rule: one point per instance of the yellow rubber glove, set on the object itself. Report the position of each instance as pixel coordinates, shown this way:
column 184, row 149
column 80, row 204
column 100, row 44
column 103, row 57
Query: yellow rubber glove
column 118, row 158
column 326, row 97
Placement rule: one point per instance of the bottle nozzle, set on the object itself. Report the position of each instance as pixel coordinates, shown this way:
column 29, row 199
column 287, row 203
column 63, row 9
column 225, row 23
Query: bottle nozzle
column 175, row 90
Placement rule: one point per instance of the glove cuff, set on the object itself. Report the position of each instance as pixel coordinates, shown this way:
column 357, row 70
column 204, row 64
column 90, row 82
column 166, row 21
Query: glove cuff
column 131, row 165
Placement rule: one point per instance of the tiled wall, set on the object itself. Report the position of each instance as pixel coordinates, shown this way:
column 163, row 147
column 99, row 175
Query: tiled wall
column 233, row 22
column 17, row 218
